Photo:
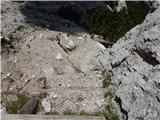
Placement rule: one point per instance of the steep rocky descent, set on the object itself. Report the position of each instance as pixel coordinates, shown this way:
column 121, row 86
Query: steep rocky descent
column 135, row 65
column 49, row 62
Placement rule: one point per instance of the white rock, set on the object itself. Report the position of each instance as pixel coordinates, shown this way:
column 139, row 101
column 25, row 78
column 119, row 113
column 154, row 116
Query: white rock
column 55, row 96
column 80, row 38
column 2, row 110
column 41, row 35
column 71, row 44
column 68, row 85
column 13, row 87
column 1, row 37
column 121, row 5
column 8, row 74
column 102, row 100
column 98, row 103
column 49, row 72
column 83, row 104
column 33, row 76
column 59, row 56
column 66, row 42
column 46, row 105
column 100, row 46
column 15, row 61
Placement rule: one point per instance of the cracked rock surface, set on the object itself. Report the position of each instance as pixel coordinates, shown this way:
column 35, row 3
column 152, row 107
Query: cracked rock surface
column 135, row 65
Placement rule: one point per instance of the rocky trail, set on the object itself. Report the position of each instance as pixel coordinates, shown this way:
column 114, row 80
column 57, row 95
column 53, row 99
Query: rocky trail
column 51, row 62
column 72, row 73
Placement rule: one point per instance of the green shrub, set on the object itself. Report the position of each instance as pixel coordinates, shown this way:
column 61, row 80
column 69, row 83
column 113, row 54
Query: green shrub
column 14, row 106
column 114, row 25
column 111, row 114
column 69, row 112
column 100, row 113
column 20, row 27
column 108, row 94
column 107, row 80
column 83, row 113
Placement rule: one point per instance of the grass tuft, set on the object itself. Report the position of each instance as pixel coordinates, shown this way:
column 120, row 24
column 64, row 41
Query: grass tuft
column 20, row 27
column 69, row 112
column 111, row 114
column 107, row 80
column 108, row 94
column 14, row 106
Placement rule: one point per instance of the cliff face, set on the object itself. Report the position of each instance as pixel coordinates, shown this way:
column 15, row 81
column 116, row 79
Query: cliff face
column 134, row 62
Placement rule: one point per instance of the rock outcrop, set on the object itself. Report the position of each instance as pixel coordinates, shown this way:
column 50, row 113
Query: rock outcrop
column 134, row 62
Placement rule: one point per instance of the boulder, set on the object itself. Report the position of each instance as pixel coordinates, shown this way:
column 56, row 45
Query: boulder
column 66, row 43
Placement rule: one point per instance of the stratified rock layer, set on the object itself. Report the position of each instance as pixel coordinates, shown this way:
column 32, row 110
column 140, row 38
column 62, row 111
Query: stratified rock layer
column 135, row 64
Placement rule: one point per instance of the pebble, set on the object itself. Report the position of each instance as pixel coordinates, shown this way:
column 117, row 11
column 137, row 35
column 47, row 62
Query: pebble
column 40, row 36
column 68, row 85
column 83, row 104
column 55, row 96
column 2, row 110
column 59, row 56
column 15, row 61
column 80, row 38
column 9, row 74
column 98, row 103
column 33, row 76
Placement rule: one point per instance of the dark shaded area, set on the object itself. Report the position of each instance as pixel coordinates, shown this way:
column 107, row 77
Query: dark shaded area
column 93, row 16
column 63, row 16
column 147, row 56
column 157, row 84
column 118, row 100
column 118, row 63
column 113, row 24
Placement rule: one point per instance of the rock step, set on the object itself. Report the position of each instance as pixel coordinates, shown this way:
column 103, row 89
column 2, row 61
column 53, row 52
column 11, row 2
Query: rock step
column 89, row 100
column 48, row 117
column 78, row 80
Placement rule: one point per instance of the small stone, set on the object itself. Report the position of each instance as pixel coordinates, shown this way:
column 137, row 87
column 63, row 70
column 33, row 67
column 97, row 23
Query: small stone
column 2, row 110
column 41, row 35
column 55, row 96
column 8, row 75
column 49, row 72
column 59, row 56
column 83, row 104
column 102, row 100
column 15, row 61
column 101, row 46
column 13, row 87
column 80, row 38
column 33, row 76
column 46, row 105
column 98, row 103
column 68, row 85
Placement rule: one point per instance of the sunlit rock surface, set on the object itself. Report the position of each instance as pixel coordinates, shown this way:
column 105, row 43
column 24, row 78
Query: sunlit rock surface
column 134, row 62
